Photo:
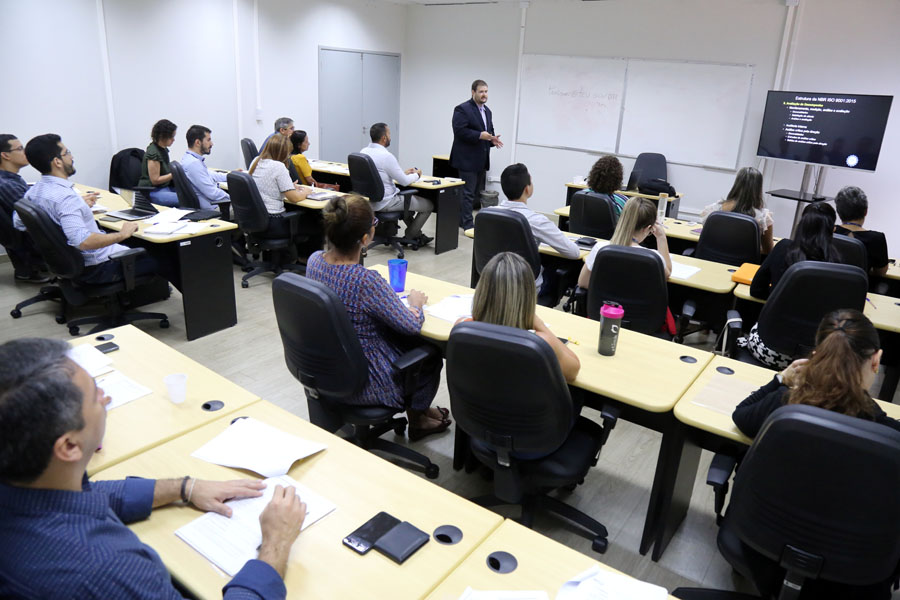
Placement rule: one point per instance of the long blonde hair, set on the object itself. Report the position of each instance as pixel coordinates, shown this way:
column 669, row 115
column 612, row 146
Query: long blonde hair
column 637, row 214
column 278, row 148
column 506, row 294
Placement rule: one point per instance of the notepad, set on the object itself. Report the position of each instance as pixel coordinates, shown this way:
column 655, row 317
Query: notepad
column 90, row 359
column 169, row 216
column 99, row 208
column 723, row 393
column 602, row 584
column 228, row 543
column 121, row 389
column 452, row 308
column 176, row 228
column 251, row 444
column 682, row 271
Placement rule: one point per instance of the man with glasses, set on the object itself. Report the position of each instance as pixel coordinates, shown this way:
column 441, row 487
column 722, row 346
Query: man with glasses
column 284, row 126
column 26, row 260
column 55, row 195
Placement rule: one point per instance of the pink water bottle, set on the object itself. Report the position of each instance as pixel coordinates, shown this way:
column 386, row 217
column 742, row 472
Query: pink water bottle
column 610, row 321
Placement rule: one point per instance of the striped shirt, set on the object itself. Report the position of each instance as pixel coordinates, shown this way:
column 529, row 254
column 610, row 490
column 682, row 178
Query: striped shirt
column 65, row 207
column 61, row 543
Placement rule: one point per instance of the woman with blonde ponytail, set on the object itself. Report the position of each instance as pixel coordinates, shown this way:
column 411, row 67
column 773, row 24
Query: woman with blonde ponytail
column 836, row 377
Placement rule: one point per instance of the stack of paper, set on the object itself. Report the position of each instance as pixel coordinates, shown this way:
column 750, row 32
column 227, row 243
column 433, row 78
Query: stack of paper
column 602, row 584
column 99, row 208
column 168, row 216
column 682, row 271
column 90, row 359
column 452, row 308
column 230, row 542
column 471, row 594
column 723, row 393
column 121, row 389
column 251, row 444
column 177, row 227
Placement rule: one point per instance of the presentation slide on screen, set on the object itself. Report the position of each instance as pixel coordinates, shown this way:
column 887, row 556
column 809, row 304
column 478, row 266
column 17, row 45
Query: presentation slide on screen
column 834, row 130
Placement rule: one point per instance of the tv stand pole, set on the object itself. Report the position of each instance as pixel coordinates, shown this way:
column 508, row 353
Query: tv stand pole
column 801, row 196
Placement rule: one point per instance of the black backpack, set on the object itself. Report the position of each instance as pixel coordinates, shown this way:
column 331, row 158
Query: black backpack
column 654, row 187
column 125, row 169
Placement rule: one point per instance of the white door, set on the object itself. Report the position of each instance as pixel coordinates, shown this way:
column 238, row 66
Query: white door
column 356, row 90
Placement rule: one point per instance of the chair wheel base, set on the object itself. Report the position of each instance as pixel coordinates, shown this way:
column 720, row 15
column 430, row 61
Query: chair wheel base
column 399, row 428
column 164, row 324
column 60, row 319
column 245, row 284
column 432, row 471
column 600, row 544
column 73, row 330
column 15, row 313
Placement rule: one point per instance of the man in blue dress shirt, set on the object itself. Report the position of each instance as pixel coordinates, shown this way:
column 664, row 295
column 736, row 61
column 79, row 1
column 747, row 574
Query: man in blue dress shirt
column 204, row 181
column 64, row 536
column 26, row 260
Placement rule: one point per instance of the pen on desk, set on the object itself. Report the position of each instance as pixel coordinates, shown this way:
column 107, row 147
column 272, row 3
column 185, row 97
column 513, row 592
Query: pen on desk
column 573, row 341
column 872, row 303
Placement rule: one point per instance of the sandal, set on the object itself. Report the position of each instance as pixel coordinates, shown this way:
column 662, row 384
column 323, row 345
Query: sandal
column 416, row 434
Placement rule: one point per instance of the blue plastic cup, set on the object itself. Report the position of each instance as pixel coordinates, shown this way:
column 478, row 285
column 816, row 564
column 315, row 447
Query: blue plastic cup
column 397, row 273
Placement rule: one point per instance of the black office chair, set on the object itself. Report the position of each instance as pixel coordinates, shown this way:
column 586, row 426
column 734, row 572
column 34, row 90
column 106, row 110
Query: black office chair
column 650, row 165
column 187, row 196
column 365, row 180
column 633, row 277
column 727, row 237
column 248, row 149
column 67, row 263
column 500, row 230
column 323, row 353
column 807, row 291
column 125, row 172
column 278, row 251
column 509, row 397
column 10, row 237
column 815, row 511
column 592, row 214
column 852, row 251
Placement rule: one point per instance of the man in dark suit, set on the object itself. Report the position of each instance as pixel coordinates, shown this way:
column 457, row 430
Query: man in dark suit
column 473, row 136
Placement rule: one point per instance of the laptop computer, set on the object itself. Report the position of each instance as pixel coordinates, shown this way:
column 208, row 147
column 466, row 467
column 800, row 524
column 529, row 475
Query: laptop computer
column 142, row 209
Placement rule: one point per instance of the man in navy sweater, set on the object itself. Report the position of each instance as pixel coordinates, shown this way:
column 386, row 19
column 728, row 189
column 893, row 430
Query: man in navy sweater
column 64, row 536
column 473, row 138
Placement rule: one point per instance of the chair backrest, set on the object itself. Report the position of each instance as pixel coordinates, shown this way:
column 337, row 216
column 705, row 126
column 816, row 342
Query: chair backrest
column 636, row 279
column 502, row 230
column 651, row 165
column 852, row 251
column 321, row 348
column 825, row 484
column 249, row 209
column 187, row 196
column 248, row 149
column 125, row 169
column 806, row 292
column 730, row 238
column 10, row 237
column 364, row 177
column 523, row 404
column 64, row 260
column 592, row 214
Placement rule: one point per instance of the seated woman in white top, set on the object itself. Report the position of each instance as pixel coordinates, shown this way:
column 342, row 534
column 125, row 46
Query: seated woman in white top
column 272, row 177
column 746, row 197
column 637, row 221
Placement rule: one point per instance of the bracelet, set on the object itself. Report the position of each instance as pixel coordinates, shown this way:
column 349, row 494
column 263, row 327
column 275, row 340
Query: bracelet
column 191, row 493
column 183, row 486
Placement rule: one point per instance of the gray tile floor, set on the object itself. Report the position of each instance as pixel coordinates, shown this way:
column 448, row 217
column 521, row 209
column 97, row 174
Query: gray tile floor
column 615, row 492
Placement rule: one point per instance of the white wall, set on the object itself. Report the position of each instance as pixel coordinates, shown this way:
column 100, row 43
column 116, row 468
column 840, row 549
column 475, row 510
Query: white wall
column 851, row 47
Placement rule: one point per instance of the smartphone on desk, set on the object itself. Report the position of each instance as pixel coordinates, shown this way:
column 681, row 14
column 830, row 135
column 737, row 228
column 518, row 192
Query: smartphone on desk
column 362, row 540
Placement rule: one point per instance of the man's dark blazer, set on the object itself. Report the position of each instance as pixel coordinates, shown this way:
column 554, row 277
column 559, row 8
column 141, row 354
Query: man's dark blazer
column 470, row 153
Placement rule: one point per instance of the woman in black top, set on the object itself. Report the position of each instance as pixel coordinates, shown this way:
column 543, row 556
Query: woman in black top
column 812, row 242
column 853, row 206
column 837, row 377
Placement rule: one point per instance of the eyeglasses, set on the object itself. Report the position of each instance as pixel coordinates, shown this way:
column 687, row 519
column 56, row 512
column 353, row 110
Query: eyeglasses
column 19, row 149
column 66, row 153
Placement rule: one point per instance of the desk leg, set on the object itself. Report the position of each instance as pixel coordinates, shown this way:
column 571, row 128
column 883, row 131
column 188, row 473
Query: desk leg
column 673, row 482
column 447, row 226
column 207, row 284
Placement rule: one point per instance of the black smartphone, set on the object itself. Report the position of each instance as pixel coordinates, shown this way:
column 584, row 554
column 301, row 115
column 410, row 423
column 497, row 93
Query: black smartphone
column 107, row 347
column 367, row 534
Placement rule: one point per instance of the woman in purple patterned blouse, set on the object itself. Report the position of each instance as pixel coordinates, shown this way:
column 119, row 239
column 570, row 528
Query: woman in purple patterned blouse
column 384, row 325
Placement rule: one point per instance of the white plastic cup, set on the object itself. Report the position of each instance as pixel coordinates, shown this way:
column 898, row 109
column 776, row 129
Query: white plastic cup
column 176, row 385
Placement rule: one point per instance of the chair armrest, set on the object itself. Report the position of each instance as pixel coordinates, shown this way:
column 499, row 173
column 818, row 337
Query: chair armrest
column 293, row 219
column 577, row 302
column 720, row 470
column 409, row 365
column 734, row 326
column 127, row 258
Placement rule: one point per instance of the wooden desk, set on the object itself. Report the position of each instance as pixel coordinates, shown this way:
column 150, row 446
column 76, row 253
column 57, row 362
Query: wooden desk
column 543, row 564
column 201, row 263
column 358, row 482
column 445, row 195
column 149, row 421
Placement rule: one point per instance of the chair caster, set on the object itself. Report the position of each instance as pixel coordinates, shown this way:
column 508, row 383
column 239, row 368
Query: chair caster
column 60, row 319
column 164, row 324
column 245, row 284
column 678, row 339
column 432, row 471
column 15, row 313
column 73, row 330
column 399, row 428
column 600, row 544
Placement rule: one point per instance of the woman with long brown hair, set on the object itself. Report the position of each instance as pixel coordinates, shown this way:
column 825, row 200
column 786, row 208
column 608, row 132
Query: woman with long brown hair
column 272, row 177
column 836, row 377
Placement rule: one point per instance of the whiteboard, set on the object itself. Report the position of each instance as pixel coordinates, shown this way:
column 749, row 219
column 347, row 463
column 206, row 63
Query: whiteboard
column 571, row 102
column 691, row 112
